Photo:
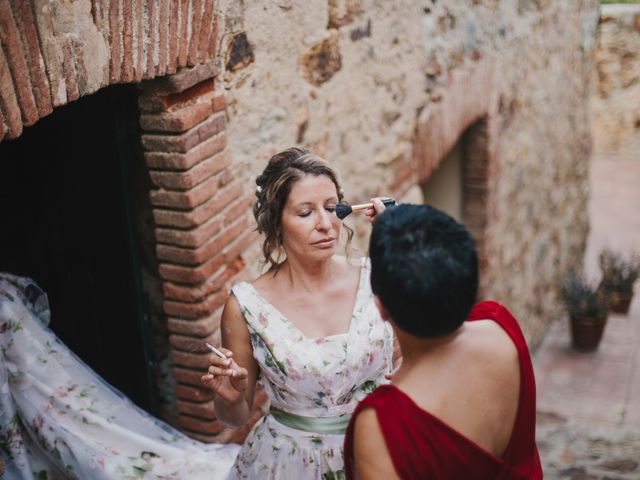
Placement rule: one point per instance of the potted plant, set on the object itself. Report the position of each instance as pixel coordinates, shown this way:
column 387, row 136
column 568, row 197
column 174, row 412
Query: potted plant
column 618, row 277
column 588, row 308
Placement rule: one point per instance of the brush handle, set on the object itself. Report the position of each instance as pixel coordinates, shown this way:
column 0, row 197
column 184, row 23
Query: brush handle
column 387, row 202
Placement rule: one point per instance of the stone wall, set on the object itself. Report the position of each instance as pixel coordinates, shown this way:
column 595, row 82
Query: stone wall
column 385, row 89
column 616, row 100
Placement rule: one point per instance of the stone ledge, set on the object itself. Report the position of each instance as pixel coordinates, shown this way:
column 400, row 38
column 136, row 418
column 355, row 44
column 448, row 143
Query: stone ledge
column 183, row 79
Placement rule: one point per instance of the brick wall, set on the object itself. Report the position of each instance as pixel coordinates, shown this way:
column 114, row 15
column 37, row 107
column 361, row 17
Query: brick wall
column 202, row 215
column 199, row 202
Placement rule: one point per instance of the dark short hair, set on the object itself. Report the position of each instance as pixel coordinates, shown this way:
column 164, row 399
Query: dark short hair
column 424, row 269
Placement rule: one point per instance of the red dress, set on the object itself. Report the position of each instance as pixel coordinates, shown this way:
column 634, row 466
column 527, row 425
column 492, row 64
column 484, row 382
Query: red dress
column 423, row 447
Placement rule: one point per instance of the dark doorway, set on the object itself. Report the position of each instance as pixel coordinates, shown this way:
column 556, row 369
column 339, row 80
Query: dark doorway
column 67, row 210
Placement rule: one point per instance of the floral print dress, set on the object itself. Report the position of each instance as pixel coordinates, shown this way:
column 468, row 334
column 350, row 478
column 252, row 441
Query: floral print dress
column 324, row 377
column 60, row 420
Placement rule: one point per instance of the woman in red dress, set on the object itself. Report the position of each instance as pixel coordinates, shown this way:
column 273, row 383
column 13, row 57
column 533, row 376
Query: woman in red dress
column 462, row 404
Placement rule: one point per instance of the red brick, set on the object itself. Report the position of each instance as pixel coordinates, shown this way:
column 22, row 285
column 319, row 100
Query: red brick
column 196, row 22
column 186, row 141
column 178, row 100
column 189, row 238
column 219, row 102
column 201, row 327
column 190, row 360
column 138, row 68
column 212, row 49
column 190, row 275
column 185, row 200
column 199, row 425
column 184, row 79
column 195, row 310
column 184, row 161
column 115, row 59
column 240, row 245
column 183, row 180
column 223, row 437
column 204, row 410
column 200, row 214
column 183, row 48
column 127, row 44
column 236, row 170
column 205, row 30
column 214, row 283
column 195, row 394
column 69, row 69
column 240, row 208
column 152, row 43
column 8, row 101
column 172, row 62
column 37, row 71
column 194, row 345
column 177, row 121
column 163, row 38
column 197, row 256
column 12, row 44
column 188, row 376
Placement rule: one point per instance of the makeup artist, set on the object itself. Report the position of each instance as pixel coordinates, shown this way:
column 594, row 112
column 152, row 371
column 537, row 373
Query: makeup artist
column 308, row 329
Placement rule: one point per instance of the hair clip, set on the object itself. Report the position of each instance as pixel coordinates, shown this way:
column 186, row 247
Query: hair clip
column 258, row 189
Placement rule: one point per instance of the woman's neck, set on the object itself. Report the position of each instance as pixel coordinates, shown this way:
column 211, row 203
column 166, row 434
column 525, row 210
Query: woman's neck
column 417, row 350
column 308, row 275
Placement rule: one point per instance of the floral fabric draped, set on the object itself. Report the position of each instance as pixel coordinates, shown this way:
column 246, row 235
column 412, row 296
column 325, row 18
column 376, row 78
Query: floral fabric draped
column 58, row 419
column 324, row 377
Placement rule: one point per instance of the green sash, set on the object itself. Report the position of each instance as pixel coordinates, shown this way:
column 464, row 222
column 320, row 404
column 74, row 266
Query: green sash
column 322, row 425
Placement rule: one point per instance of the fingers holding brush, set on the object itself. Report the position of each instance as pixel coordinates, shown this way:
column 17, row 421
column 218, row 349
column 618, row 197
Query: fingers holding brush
column 375, row 209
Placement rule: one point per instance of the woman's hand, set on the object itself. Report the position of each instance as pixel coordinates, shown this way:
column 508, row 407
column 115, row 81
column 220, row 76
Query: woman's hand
column 226, row 378
column 373, row 212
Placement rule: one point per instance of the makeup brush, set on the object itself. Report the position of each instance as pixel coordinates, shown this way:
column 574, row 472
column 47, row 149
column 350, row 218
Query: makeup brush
column 342, row 210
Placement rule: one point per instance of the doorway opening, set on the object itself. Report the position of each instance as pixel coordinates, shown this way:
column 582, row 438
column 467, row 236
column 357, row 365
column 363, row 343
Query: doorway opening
column 70, row 188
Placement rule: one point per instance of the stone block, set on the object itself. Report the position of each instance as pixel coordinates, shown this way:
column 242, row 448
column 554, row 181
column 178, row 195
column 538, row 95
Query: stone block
column 323, row 60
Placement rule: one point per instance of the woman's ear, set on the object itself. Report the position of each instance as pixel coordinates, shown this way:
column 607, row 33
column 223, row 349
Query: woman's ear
column 384, row 313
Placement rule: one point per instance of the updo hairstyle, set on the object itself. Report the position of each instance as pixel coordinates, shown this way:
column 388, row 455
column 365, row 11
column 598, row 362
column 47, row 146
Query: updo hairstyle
column 273, row 188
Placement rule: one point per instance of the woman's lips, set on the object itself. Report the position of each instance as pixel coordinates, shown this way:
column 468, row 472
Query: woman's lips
column 325, row 243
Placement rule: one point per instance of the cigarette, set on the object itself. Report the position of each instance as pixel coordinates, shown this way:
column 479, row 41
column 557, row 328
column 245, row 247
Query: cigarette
column 215, row 350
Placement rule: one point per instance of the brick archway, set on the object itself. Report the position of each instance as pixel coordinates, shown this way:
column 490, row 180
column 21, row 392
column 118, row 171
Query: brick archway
column 465, row 110
column 198, row 199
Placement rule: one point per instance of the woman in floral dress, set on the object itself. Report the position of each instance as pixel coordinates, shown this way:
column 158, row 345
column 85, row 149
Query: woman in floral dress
column 308, row 330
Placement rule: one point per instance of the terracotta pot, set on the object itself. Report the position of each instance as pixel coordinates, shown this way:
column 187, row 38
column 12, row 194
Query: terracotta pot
column 620, row 301
column 586, row 333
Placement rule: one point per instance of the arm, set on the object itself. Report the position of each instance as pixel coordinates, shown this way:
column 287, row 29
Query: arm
column 233, row 379
column 372, row 459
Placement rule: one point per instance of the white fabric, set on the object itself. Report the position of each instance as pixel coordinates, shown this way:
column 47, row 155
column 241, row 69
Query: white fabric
column 323, row 377
column 59, row 419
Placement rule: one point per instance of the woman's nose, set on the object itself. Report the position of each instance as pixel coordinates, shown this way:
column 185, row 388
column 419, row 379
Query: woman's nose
column 324, row 220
